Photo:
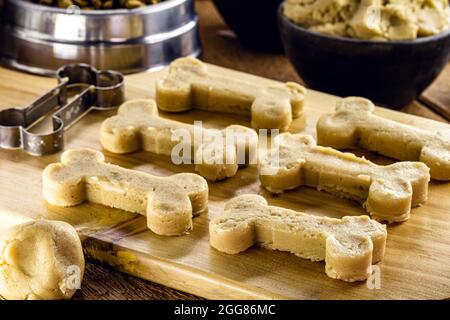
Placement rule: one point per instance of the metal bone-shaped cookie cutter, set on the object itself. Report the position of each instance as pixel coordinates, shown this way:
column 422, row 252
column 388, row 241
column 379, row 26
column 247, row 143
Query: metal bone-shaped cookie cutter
column 92, row 89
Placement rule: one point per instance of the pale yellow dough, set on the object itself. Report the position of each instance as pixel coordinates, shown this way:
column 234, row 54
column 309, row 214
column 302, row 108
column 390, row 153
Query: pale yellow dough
column 354, row 125
column 349, row 245
column 189, row 84
column 387, row 192
column 371, row 19
column 38, row 259
column 169, row 203
column 137, row 126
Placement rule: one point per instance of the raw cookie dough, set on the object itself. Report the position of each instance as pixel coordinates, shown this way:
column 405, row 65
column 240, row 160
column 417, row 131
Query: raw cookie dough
column 353, row 124
column 371, row 19
column 137, row 126
column 349, row 245
column 189, row 84
column 40, row 260
column 387, row 192
column 168, row 202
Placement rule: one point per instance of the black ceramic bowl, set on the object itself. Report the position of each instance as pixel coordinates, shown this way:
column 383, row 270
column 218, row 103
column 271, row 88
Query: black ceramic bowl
column 253, row 21
column 391, row 73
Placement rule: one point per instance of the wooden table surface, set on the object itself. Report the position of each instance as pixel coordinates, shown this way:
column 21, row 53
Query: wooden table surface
column 221, row 48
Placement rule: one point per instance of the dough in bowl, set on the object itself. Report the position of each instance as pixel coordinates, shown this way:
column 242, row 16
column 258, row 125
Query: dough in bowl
column 371, row 19
column 40, row 260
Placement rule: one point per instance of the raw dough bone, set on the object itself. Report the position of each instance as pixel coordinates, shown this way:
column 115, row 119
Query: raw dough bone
column 189, row 84
column 40, row 260
column 387, row 192
column 354, row 124
column 168, row 202
column 137, row 126
column 349, row 245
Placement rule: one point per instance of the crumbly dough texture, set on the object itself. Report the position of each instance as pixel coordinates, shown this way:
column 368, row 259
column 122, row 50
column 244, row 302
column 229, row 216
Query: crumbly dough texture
column 349, row 245
column 137, row 126
column 35, row 261
column 371, row 19
column 387, row 192
column 354, row 125
column 189, row 84
column 168, row 202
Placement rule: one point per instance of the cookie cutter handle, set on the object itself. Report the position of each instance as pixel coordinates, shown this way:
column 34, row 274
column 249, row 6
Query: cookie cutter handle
column 91, row 89
column 109, row 84
column 99, row 90
column 45, row 104
column 75, row 110
column 14, row 121
column 106, row 93
column 62, row 119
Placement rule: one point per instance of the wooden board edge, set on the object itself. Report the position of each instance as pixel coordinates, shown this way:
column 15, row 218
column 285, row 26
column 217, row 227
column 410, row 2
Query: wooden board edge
column 174, row 275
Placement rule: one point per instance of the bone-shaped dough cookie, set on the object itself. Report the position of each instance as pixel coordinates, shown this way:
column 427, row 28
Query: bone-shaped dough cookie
column 349, row 245
column 168, row 202
column 354, row 124
column 387, row 192
column 189, row 84
column 137, row 126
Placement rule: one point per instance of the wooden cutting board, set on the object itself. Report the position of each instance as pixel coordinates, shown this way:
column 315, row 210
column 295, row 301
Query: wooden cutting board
column 416, row 265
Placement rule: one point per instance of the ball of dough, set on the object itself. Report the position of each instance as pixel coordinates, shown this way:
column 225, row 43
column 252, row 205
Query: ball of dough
column 40, row 260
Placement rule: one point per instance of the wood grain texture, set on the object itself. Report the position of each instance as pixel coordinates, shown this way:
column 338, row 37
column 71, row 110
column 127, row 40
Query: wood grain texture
column 221, row 48
column 418, row 251
column 101, row 282
column 437, row 96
